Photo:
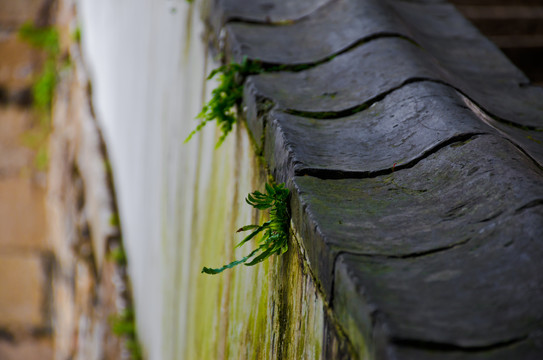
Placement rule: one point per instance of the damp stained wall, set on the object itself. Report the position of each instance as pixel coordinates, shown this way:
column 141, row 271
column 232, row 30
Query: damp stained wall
column 180, row 204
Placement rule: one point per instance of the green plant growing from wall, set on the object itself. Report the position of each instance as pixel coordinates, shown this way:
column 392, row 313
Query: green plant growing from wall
column 224, row 98
column 124, row 325
column 46, row 39
column 118, row 256
column 76, row 35
column 275, row 231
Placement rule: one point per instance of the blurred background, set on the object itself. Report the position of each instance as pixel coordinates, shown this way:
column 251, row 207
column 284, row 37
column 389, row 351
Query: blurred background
column 25, row 253
column 515, row 26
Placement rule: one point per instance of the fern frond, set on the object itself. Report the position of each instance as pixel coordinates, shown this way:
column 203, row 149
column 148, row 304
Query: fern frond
column 275, row 231
column 225, row 97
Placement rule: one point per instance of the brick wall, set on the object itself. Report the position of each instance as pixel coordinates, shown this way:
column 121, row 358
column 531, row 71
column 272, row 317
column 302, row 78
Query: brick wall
column 26, row 260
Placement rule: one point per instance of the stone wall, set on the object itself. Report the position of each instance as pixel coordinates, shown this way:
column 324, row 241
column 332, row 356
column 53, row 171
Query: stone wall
column 26, row 259
column 89, row 287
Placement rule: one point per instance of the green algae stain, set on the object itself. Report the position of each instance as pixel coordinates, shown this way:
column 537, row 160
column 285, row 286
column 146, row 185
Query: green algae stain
column 529, row 137
column 211, row 242
column 269, row 311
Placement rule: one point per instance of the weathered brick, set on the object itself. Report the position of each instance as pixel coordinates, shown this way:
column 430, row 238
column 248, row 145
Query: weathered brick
column 14, row 123
column 22, row 215
column 28, row 349
column 23, row 287
column 14, row 13
column 65, row 318
column 18, row 63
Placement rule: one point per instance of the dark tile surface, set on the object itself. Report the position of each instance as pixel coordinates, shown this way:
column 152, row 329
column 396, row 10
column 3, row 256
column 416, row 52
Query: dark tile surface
column 471, row 191
column 400, row 129
column 469, row 298
column 449, row 50
column 351, row 79
column 414, row 153
column 317, row 36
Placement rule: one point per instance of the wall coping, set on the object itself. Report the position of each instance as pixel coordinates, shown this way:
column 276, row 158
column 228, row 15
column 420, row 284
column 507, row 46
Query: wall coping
column 413, row 150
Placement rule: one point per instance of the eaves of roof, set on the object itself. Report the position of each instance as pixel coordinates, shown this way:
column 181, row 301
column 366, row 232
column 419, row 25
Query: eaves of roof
column 414, row 152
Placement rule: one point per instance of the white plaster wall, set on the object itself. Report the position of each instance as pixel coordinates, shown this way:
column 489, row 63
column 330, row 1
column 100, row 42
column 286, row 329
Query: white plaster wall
column 148, row 63
column 180, row 204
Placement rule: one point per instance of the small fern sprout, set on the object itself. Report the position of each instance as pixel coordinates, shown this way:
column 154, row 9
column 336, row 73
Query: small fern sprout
column 224, row 98
column 275, row 231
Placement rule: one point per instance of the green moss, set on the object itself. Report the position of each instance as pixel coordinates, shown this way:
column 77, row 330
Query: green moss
column 45, row 38
column 118, row 256
column 76, row 35
column 36, row 139
column 461, row 143
column 43, row 90
column 41, row 161
column 107, row 166
column 44, row 87
column 529, row 137
column 124, row 325
column 114, row 219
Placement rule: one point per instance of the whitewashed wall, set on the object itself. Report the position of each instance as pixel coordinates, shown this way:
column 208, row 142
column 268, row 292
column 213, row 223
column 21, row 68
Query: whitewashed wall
column 180, row 204
column 148, row 63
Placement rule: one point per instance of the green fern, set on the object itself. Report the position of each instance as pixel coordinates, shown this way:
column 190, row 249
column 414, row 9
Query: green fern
column 275, row 231
column 225, row 96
